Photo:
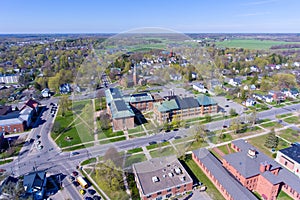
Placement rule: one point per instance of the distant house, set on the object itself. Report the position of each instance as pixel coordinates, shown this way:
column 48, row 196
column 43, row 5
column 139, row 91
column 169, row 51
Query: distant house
column 200, row 87
column 235, row 82
column 252, row 87
column 65, row 88
column 292, row 93
column 35, row 184
column 277, row 96
column 258, row 97
column 175, row 77
column 194, row 75
column 250, row 102
column 46, row 93
column 254, row 68
column 8, row 79
column 268, row 98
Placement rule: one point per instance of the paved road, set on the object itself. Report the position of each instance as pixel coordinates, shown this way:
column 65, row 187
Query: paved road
column 55, row 161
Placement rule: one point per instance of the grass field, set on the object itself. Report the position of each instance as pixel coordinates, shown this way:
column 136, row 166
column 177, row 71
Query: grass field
column 166, row 151
column 292, row 120
column 131, row 159
column 260, row 141
column 251, row 43
column 290, row 135
column 272, row 125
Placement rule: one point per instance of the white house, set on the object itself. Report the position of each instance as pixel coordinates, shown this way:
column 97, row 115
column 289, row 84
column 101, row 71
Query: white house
column 200, row 87
column 46, row 93
column 250, row 102
column 254, row 68
column 235, row 82
column 268, row 98
column 258, row 97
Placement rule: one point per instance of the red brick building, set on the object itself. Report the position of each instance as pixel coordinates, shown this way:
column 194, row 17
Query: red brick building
column 161, row 178
column 228, row 186
column 257, row 172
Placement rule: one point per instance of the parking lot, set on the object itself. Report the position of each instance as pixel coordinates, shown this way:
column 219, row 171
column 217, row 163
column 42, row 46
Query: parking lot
column 227, row 104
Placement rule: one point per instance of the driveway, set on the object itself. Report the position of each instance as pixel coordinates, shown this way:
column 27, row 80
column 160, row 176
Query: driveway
column 197, row 195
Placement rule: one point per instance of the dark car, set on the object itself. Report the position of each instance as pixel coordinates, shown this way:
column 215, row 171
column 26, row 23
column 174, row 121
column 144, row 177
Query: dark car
column 175, row 129
column 226, row 106
column 75, row 183
column 168, row 130
column 177, row 137
column 88, row 198
column 153, row 142
column 96, row 197
column 91, row 191
column 71, row 178
column 75, row 173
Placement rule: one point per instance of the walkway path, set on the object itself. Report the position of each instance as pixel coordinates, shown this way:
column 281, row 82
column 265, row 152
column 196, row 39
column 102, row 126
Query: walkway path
column 146, row 152
column 95, row 123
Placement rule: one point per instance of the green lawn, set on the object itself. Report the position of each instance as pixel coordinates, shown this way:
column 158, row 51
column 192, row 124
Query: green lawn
column 217, row 139
column 153, row 146
column 136, row 158
column 251, row 43
column 137, row 135
column 109, row 133
column 100, row 103
column 6, row 161
column 283, row 196
column 88, row 161
column 260, row 141
column 224, row 149
column 166, row 151
column 290, row 135
column 292, row 120
column 136, row 150
column 197, row 173
column 271, row 124
column 136, row 129
column 284, row 115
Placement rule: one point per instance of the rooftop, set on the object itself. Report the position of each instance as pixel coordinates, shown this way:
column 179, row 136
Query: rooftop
column 232, row 186
column 205, row 100
column 159, row 174
column 292, row 152
column 34, row 180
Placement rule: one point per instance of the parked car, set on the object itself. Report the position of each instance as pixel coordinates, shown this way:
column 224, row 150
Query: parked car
column 96, row 197
column 75, row 183
column 82, row 191
column 75, row 173
column 91, row 191
column 71, row 178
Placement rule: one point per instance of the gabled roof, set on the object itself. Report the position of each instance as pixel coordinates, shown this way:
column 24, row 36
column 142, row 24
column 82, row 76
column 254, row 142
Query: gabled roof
column 231, row 185
column 186, row 103
column 34, row 180
column 205, row 100
column 167, row 106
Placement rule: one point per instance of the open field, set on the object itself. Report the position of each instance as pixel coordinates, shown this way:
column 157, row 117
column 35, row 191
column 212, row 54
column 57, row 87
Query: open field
column 251, row 43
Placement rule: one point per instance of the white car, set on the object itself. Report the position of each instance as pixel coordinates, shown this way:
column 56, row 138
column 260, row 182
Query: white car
column 39, row 147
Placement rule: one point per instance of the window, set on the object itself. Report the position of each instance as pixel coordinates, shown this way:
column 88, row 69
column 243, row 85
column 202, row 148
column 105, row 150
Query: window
column 178, row 187
column 149, row 196
column 158, row 193
column 285, row 162
column 169, row 190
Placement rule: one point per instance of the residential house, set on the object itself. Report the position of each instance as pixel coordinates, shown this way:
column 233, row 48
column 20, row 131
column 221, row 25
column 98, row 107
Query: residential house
column 252, row 87
column 268, row 98
column 161, row 178
column 200, row 87
column 254, row 68
column 258, row 96
column 289, row 158
column 277, row 95
column 9, row 79
column 35, row 184
column 291, row 93
column 258, row 172
column 250, row 102
column 235, row 82
column 65, row 88
column 45, row 93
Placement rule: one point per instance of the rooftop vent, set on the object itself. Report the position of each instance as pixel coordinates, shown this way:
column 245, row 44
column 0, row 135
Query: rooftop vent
column 182, row 178
column 164, row 176
column 177, row 170
column 155, row 179
column 252, row 153
column 170, row 174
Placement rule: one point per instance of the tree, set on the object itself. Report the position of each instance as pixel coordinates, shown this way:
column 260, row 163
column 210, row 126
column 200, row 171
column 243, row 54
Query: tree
column 232, row 112
column 235, row 125
column 208, row 118
column 113, row 155
column 56, row 127
column 104, row 121
column 271, row 140
column 65, row 104
column 199, row 133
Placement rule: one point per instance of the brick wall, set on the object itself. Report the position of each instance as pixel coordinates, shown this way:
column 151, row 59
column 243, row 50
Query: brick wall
column 13, row 128
column 123, row 123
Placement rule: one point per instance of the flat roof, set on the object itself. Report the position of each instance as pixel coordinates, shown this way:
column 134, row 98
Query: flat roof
column 231, row 185
column 164, row 170
column 292, row 152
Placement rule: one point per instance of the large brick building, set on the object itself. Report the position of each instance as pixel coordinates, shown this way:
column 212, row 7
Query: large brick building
column 184, row 108
column 257, row 172
column 289, row 158
column 161, row 178
column 227, row 185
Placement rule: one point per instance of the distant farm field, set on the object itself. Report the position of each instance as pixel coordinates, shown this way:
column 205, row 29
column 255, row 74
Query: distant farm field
column 251, row 44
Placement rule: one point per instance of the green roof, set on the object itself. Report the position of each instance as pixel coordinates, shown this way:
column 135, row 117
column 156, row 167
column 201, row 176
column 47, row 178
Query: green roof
column 167, row 106
column 204, row 100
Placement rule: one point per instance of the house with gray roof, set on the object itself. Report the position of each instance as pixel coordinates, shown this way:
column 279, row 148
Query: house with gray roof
column 161, row 178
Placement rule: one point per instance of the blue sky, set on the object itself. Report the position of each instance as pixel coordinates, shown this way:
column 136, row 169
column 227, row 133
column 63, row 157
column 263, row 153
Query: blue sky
column 99, row 16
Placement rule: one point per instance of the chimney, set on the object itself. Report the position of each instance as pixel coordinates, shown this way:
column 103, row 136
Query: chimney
column 268, row 166
column 262, row 167
column 252, row 153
